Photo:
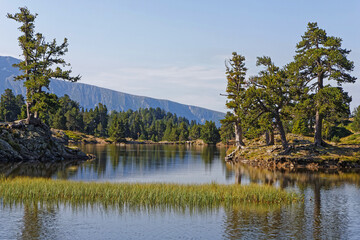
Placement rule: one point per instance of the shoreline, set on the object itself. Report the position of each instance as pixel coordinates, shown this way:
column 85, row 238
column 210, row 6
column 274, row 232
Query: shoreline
column 302, row 155
column 75, row 138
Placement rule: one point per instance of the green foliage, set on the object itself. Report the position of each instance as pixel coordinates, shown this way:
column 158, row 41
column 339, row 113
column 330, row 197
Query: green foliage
column 10, row 106
column 330, row 131
column 227, row 129
column 235, row 74
column 117, row 128
column 321, row 57
column 195, row 132
column 236, row 93
column 152, row 124
column 355, row 125
column 74, row 120
column 300, row 126
column 333, row 103
column 42, row 61
column 210, row 133
column 273, row 93
column 75, row 136
column 292, row 98
column 335, row 139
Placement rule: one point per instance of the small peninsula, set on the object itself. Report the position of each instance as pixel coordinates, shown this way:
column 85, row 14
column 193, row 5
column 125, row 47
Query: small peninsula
column 28, row 142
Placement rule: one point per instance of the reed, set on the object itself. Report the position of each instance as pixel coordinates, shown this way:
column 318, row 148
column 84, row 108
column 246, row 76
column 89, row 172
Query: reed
column 22, row 189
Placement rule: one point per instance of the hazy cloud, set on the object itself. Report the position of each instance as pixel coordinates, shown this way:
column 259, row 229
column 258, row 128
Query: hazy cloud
column 195, row 85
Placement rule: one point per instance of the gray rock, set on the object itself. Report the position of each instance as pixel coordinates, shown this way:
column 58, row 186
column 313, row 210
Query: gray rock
column 34, row 143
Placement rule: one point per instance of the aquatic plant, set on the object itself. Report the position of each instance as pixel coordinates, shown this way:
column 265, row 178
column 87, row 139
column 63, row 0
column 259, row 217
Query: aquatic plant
column 22, row 189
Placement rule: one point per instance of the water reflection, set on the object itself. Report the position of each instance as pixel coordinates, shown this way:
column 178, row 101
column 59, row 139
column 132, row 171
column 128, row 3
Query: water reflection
column 39, row 222
column 329, row 205
column 331, row 209
column 149, row 163
column 36, row 169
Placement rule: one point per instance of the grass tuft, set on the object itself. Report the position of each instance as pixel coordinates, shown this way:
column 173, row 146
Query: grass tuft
column 22, row 190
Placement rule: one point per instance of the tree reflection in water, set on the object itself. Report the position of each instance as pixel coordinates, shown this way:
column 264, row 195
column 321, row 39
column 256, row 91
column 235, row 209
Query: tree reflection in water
column 323, row 215
column 328, row 211
column 39, row 222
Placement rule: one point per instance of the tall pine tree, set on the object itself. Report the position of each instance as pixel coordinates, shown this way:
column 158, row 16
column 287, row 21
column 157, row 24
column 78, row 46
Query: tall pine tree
column 41, row 62
column 235, row 74
column 321, row 57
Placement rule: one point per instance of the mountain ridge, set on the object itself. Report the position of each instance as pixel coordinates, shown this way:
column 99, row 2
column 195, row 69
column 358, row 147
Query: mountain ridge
column 89, row 96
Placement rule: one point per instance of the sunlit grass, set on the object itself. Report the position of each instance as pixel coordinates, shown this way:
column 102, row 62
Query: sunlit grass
column 18, row 190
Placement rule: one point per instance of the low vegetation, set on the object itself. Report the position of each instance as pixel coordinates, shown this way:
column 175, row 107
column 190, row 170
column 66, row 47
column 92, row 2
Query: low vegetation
column 18, row 190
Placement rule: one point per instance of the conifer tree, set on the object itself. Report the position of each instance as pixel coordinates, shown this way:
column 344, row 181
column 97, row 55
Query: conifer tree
column 10, row 106
column 116, row 129
column 235, row 74
column 210, row 133
column 195, row 132
column 41, row 61
column 321, row 57
column 273, row 92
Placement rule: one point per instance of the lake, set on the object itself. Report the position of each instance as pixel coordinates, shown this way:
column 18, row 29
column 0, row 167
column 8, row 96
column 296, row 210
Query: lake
column 331, row 209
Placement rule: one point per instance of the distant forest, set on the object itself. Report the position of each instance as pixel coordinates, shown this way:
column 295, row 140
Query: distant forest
column 143, row 124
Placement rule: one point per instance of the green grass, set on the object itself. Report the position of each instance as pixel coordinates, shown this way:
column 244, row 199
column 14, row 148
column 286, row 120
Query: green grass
column 352, row 139
column 75, row 136
column 22, row 190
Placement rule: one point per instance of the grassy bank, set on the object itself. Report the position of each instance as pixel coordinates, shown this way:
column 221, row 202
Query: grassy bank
column 19, row 190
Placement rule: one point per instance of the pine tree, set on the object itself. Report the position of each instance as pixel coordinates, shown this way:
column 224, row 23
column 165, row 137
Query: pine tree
column 10, row 106
column 74, row 119
column 227, row 129
column 116, row 128
column 273, row 92
column 235, row 74
column 321, row 57
column 40, row 64
column 195, row 132
column 210, row 133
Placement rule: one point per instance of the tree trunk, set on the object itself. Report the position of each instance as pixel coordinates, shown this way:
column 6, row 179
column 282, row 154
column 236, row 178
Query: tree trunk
column 238, row 134
column 280, row 127
column 318, row 130
column 318, row 119
column 269, row 137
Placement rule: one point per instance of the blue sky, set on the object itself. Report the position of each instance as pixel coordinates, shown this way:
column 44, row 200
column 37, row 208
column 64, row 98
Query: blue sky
column 176, row 49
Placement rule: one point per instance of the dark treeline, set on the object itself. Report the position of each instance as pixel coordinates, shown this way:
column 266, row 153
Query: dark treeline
column 143, row 124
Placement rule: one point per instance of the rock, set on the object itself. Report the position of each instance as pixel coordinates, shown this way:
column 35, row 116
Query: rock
column 23, row 142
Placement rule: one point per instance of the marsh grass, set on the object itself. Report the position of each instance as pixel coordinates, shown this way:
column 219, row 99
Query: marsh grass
column 22, row 190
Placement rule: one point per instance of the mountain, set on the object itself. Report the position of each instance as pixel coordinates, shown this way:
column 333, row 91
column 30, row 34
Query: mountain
column 89, row 96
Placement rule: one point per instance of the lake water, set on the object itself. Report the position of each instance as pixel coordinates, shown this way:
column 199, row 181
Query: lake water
column 331, row 209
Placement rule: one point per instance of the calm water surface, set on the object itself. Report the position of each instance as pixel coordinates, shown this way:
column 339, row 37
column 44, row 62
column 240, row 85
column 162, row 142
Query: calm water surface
column 331, row 209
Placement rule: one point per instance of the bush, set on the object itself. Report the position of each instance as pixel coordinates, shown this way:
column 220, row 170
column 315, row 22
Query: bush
column 331, row 131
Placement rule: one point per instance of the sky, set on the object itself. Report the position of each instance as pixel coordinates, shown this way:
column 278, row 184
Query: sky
column 176, row 50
